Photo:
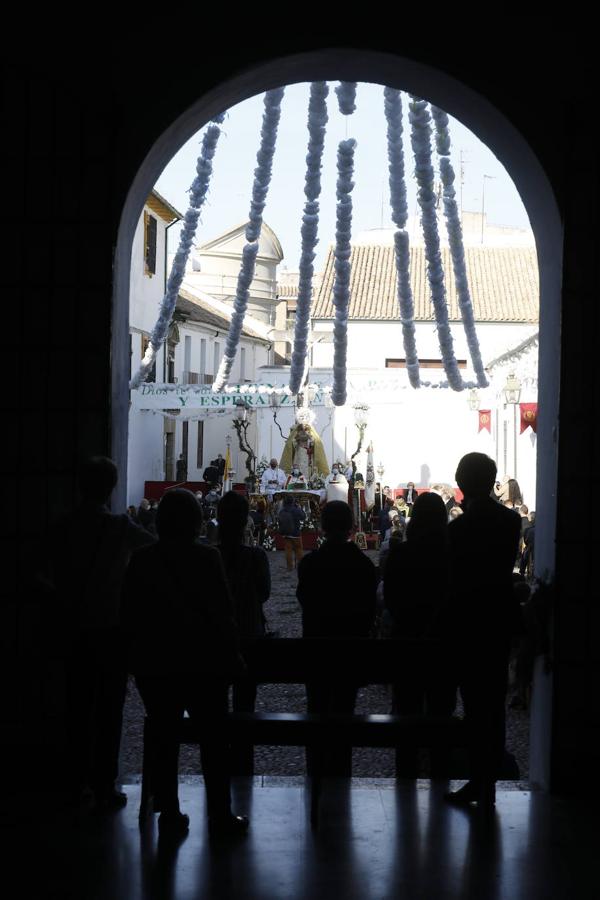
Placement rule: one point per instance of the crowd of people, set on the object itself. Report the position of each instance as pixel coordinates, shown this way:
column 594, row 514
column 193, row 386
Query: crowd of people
column 145, row 594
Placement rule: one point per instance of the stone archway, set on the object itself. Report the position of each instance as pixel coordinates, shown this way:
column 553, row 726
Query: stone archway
column 493, row 129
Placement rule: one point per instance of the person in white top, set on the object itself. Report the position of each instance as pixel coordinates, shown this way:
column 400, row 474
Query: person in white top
column 273, row 479
column 336, row 484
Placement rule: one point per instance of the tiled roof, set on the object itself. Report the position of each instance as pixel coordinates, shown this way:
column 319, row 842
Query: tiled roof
column 503, row 282
column 197, row 310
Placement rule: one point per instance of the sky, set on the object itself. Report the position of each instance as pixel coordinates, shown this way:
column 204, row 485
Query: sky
column 228, row 201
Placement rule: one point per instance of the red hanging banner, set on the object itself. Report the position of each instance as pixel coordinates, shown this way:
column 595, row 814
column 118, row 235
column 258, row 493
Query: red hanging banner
column 485, row 420
column 528, row 416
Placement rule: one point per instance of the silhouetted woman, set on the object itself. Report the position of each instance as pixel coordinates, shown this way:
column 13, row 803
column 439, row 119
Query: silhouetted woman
column 183, row 653
column 416, row 588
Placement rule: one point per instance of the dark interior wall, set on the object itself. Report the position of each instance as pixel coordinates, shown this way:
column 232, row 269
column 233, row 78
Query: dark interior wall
column 81, row 118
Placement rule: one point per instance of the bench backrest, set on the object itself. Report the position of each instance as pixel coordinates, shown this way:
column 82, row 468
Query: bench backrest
column 361, row 660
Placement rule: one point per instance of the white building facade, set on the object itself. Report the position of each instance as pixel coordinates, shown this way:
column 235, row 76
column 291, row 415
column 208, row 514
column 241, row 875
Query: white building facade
column 191, row 355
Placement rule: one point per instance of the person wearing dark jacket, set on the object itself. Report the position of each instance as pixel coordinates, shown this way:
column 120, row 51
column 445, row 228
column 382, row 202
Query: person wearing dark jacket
column 177, row 617
column 337, row 586
column 484, row 614
column 249, row 578
column 90, row 553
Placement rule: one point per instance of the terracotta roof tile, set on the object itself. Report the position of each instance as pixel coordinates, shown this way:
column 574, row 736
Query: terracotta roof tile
column 503, row 283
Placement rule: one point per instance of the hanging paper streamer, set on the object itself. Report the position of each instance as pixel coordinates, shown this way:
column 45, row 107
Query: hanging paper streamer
column 529, row 413
column 398, row 203
column 317, row 120
column 341, row 285
column 346, row 95
column 455, row 241
column 260, row 188
column 198, row 193
column 421, row 144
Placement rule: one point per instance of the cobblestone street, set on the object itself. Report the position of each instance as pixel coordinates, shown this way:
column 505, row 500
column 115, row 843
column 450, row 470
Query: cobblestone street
column 283, row 615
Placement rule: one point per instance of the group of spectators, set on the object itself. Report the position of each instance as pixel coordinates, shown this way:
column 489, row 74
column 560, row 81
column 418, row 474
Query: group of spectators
column 170, row 610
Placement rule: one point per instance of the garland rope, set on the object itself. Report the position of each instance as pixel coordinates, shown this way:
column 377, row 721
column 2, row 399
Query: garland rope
column 399, row 205
column 346, row 95
column 317, row 121
column 341, row 285
column 260, row 188
column 455, row 241
column 198, row 192
column 421, row 144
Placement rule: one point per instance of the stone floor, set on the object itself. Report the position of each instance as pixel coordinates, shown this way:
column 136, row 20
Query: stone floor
column 379, row 842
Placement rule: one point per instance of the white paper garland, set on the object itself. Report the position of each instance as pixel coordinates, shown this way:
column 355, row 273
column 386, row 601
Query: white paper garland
column 198, row 193
column 317, row 120
column 421, row 143
column 341, row 285
column 346, row 95
column 455, row 241
column 399, row 205
column 260, row 188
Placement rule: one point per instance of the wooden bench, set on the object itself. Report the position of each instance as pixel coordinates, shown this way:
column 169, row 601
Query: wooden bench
column 298, row 661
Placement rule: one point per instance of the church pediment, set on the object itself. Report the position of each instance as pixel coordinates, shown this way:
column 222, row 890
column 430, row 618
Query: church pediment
column 231, row 243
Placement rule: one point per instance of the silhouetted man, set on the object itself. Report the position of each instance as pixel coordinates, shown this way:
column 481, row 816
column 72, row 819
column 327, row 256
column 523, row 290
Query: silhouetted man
column 181, row 469
column 90, row 554
column 483, row 548
column 337, row 587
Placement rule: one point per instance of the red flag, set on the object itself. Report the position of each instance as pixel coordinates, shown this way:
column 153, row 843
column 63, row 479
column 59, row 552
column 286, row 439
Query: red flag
column 528, row 416
column 485, row 420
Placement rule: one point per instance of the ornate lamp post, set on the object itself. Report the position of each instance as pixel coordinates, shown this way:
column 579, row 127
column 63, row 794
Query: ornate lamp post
column 274, row 402
column 361, row 411
column 512, row 395
column 380, row 474
column 241, row 422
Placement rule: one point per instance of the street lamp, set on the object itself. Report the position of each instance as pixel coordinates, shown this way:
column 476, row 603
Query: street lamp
column 512, row 395
column 241, row 423
column 512, row 389
column 473, row 399
column 361, row 411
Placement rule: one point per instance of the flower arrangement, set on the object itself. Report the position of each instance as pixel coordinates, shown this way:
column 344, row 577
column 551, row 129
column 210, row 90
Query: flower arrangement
column 316, row 481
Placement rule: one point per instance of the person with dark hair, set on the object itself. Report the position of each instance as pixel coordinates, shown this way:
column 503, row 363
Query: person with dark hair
column 337, row 587
column 182, row 641
column 90, row 552
column 249, row 578
column 290, row 519
column 181, row 469
column 410, row 494
column 211, row 474
column 416, row 586
column 147, row 516
column 483, row 547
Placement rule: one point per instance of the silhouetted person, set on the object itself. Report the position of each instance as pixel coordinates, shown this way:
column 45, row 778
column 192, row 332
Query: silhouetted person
column 483, row 548
column 337, row 587
column 90, row 551
column 181, row 469
column 220, row 464
column 211, row 474
column 416, row 588
column 183, row 652
column 290, row 519
column 249, row 578
column 147, row 516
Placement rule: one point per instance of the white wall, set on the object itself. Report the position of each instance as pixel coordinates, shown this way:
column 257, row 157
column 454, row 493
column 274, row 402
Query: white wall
column 370, row 343
column 418, row 435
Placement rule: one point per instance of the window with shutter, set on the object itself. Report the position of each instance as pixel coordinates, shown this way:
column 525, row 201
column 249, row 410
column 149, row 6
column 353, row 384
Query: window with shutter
column 200, row 446
column 150, row 232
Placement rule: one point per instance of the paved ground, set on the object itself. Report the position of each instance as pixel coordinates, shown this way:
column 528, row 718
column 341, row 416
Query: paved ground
column 283, row 614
